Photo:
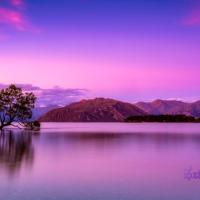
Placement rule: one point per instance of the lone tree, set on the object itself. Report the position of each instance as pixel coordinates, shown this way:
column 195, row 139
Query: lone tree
column 16, row 107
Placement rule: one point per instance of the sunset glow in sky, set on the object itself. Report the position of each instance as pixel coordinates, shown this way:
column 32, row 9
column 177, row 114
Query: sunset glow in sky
column 125, row 49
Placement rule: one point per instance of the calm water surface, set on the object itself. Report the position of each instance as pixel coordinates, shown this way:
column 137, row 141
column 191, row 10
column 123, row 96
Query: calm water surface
column 101, row 161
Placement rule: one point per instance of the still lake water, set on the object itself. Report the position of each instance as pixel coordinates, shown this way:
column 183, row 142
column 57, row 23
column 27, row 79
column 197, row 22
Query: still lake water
column 101, row 161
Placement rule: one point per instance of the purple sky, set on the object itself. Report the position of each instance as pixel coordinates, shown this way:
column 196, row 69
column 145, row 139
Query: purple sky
column 125, row 49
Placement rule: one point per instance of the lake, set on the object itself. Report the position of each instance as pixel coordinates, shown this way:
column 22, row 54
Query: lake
column 101, row 161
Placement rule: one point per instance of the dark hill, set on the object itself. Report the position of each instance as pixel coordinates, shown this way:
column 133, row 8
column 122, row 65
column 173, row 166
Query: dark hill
column 95, row 110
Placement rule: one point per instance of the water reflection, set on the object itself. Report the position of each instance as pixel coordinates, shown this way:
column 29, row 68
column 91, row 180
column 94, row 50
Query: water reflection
column 16, row 150
column 158, row 141
column 74, row 163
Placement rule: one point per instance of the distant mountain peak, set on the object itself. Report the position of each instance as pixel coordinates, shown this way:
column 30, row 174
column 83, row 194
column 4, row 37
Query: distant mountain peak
column 171, row 107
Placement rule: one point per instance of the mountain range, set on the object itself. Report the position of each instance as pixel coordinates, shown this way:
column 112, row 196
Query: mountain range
column 172, row 107
column 110, row 110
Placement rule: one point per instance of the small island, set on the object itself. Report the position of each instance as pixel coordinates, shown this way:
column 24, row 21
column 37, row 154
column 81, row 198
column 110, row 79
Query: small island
column 162, row 118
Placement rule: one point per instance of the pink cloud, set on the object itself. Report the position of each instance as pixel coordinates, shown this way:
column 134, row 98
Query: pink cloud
column 193, row 18
column 17, row 3
column 13, row 18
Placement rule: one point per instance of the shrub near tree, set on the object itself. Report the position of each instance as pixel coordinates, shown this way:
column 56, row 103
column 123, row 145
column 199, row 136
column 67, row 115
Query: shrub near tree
column 16, row 108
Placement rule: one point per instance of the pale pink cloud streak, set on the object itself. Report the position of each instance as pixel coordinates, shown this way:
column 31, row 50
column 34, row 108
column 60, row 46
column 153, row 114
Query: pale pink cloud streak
column 193, row 18
column 17, row 3
column 13, row 18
